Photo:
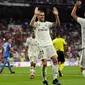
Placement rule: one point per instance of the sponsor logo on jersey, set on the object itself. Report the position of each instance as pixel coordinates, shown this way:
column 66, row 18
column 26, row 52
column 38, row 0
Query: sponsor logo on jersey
column 42, row 29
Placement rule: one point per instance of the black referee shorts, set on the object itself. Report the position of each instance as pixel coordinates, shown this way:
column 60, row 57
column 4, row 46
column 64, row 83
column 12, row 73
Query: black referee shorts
column 61, row 56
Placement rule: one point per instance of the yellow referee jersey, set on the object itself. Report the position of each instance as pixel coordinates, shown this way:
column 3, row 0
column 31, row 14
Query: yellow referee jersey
column 59, row 44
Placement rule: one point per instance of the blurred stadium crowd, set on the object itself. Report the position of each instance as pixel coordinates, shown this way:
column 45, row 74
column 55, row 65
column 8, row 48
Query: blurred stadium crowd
column 70, row 30
column 71, row 2
column 41, row 1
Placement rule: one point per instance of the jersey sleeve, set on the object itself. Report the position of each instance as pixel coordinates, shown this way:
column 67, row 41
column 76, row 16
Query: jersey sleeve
column 64, row 42
column 27, row 42
column 35, row 24
column 80, row 20
column 49, row 24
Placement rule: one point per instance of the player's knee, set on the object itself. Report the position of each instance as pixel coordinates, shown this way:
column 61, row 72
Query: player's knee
column 44, row 62
column 54, row 60
column 33, row 64
column 82, row 69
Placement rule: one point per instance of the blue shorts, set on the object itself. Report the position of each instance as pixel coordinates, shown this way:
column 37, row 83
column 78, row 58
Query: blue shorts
column 6, row 59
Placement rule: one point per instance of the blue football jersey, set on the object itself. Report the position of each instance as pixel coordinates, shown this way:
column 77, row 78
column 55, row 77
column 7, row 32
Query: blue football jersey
column 6, row 48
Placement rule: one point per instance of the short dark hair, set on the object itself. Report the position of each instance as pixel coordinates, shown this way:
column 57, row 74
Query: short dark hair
column 6, row 39
column 59, row 34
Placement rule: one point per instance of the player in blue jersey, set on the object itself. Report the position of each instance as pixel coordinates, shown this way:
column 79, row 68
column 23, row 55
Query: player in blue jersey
column 7, row 49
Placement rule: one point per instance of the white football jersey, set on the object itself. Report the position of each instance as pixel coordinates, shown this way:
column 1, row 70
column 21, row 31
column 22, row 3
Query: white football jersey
column 42, row 33
column 81, row 21
column 33, row 45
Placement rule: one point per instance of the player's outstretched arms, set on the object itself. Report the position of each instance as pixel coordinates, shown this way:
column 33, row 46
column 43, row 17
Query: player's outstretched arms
column 36, row 12
column 73, row 13
column 55, row 12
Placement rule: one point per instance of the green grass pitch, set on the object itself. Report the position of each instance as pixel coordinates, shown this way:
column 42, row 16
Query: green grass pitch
column 71, row 76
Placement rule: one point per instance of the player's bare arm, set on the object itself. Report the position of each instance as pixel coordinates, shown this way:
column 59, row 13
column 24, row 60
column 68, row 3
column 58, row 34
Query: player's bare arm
column 26, row 49
column 36, row 12
column 55, row 12
column 76, row 6
column 12, row 50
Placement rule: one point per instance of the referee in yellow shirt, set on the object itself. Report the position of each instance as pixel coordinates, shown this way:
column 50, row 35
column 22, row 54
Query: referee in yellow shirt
column 59, row 45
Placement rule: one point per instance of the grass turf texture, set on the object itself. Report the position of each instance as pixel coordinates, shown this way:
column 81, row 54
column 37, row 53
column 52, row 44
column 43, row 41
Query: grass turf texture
column 72, row 76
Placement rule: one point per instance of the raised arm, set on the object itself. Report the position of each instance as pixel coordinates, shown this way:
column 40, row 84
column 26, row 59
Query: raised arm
column 76, row 6
column 55, row 12
column 36, row 12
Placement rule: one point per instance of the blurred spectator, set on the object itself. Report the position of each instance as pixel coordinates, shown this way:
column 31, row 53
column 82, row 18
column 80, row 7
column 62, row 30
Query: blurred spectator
column 42, row 1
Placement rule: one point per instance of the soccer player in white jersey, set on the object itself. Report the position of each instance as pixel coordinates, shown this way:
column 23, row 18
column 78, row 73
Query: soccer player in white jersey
column 43, row 36
column 81, row 21
column 32, row 46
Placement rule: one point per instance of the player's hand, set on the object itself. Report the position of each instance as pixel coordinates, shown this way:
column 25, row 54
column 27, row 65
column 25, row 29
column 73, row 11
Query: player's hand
column 55, row 11
column 78, row 4
column 36, row 11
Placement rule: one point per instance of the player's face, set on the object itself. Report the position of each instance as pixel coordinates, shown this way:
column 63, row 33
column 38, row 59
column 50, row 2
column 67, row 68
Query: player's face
column 41, row 17
column 10, row 40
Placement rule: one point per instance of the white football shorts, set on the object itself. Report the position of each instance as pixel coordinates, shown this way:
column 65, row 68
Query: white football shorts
column 46, row 52
column 33, row 57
